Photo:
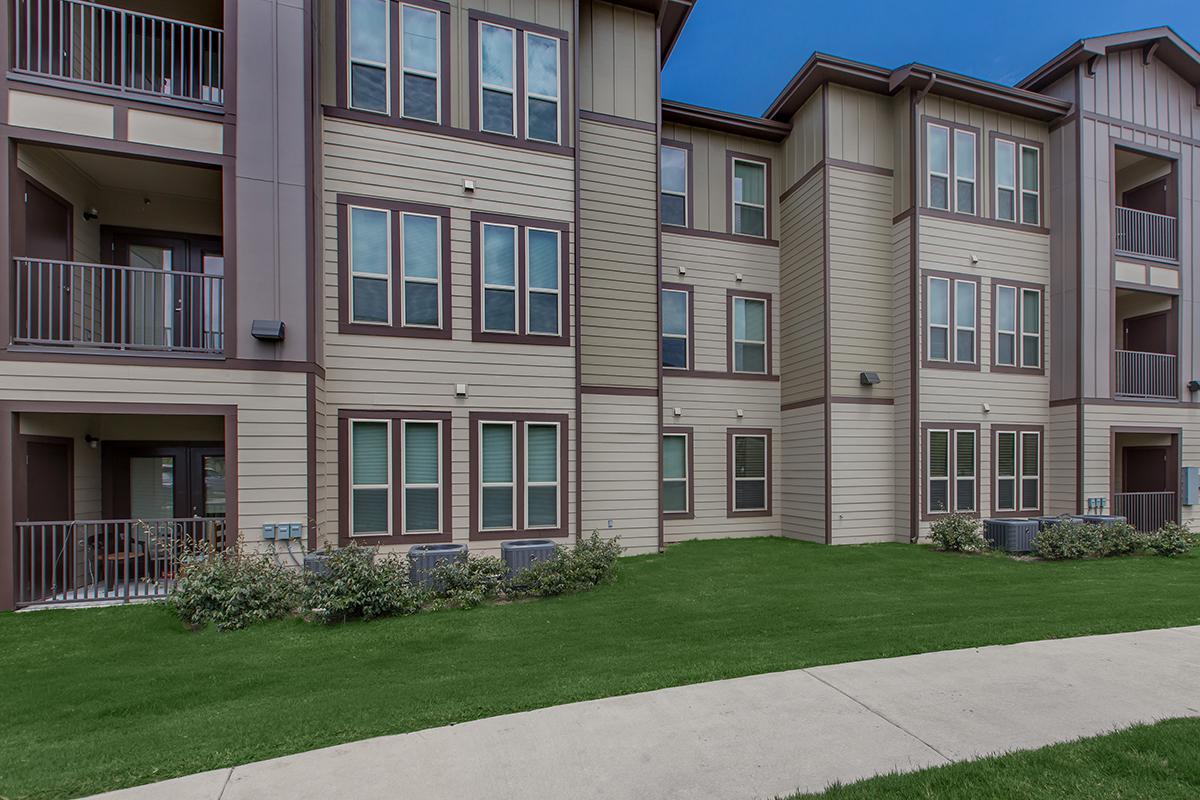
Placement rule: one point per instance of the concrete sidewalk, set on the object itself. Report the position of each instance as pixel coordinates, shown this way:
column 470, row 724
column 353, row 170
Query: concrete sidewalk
column 754, row 737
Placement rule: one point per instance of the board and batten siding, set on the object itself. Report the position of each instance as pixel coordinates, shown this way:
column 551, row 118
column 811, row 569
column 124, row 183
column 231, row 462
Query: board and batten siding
column 618, row 201
column 1063, row 198
column 802, row 292
column 618, row 61
column 805, row 145
column 861, row 127
column 1153, row 95
column 802, row 478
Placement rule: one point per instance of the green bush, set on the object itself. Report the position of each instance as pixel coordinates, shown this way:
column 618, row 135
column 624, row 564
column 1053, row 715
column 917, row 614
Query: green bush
column 1171, row 539
column 1120, row 539
column 232, row 588
column 467, row 583
column 1068, row 540
column 958, row 533
column 360, row 585
column 591, row 562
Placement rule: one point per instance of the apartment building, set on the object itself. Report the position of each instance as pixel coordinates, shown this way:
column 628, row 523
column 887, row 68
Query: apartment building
column 311, row 272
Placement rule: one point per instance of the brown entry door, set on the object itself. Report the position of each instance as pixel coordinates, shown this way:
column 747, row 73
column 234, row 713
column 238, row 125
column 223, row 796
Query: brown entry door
column 48, row 480
column 43, row 299
column 1146, row 469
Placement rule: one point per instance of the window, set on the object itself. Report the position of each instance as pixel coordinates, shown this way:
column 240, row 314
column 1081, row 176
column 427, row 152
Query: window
column 948, row 147
column 392, row 275
column 518, row 474
column 1018, row 179
column 420, row 45
column 394, row 476
column 368, row 73
column 1018, row 327
column 749, row 467
column 1018, row 470
column 676, row 327
column 750, row 335
column 497, row 84
column 951, row 460
column 749, row 198
column 951, row 308
column 542, row 87
column 520, row 270
column 674, row 202
column 676, row 471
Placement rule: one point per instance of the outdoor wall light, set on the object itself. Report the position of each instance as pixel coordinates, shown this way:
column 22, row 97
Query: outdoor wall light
column 90, row 441
column 1193, row 385
column 868, row 378
column 91, row 214
column 267, row 330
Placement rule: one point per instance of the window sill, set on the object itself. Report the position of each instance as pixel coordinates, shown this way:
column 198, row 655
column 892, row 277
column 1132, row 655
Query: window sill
column 395, row 538
column 533, row 533
column 1007, row 370
column 396, row 331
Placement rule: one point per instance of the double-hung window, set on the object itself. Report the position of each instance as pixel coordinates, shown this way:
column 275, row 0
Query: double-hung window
column 518, row 86
column 421, row 55
column 951, row 470
column 951, row 168
column 499, row 278
column 541, row 475
column 1018, row 470
column 750, row 321
column 498, row 487
column 951, row 320
column 676, row 328
column 498, row 79
column 542, row 88
column 542, row 253
column 676, row 471
column 521, row 480
column 395, row 475
column 749, row 198
column 749, row 471
column 370, row 259
column 376, row 61
column 674, row 200
column 520, row 278
column 421, row 266
column 1018, row 327
column 1018, row 182
column 369, row 53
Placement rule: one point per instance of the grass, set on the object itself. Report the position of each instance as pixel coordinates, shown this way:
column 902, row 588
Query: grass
column 1159, row 761
column 101, row 699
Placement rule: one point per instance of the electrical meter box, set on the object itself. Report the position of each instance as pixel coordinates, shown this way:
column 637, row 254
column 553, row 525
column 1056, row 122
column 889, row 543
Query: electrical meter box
column 1191, row 486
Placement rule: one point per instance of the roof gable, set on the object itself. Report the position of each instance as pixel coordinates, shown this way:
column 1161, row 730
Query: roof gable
column 1161, row 43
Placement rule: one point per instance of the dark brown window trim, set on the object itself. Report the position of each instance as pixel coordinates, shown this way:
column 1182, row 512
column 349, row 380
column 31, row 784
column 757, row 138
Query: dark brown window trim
column 730, row 294
column 952, row 195
column 690, row 433
column 1018, row 429
column 395, row 69
column 397, row 461
column 689, row 201
column 996, row 136
column 565, row 98
column 995, row 332
column 730, row 157
column 934, row 213
column 926, row 362
column 691, row 343
column 954, row 428
column 478, row 218
column 519, row 532
column 730, row 433
column 396, row 328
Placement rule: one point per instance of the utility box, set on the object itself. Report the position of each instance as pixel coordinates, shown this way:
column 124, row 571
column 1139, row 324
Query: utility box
column 1191, row 486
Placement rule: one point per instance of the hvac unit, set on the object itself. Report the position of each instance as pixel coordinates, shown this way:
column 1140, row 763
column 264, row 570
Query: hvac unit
column 1047, row 522
column 520, row 555
column 1010, row 535
column 1103, row 519
column 422, row 559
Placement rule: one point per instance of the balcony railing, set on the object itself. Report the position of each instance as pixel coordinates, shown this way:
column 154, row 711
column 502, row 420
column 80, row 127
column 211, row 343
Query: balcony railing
column 1144, row 233
column 1146, row 375
column 107, row 560
column 71, row 304
column 1146, row 511
column 98, row 45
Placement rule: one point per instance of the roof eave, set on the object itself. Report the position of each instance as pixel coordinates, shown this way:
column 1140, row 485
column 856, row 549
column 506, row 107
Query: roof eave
column 972, row 90
column 712, row 119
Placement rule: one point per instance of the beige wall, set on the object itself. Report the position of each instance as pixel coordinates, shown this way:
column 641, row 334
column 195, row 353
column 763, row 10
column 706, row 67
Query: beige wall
column 802, row 292
column 861, row 127
column 618, row 61
column 802, row 477
column 863, row 475
column 902, row 268
column 620, row 465
column 805, row 145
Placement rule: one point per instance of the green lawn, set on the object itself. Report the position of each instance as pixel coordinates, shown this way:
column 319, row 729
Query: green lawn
column 1155, row 762
column 101, row 699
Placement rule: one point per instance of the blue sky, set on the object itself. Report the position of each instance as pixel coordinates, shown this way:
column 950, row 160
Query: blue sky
column 991, row 40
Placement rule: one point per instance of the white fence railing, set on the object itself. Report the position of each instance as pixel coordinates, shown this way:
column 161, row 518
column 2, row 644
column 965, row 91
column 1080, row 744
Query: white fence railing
column 1144, row 233
column 1146, row 375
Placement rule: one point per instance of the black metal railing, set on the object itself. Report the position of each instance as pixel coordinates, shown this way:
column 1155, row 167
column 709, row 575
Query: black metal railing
column 1146, row 511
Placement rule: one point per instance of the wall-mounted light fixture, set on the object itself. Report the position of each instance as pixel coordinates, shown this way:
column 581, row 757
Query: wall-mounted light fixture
column 90, row 441
column 267, row 330
column 91, row 214
column 868, row 378
column 1193, row 385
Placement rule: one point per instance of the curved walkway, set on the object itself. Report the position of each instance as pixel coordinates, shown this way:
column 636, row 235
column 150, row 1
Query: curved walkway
column 753, row 737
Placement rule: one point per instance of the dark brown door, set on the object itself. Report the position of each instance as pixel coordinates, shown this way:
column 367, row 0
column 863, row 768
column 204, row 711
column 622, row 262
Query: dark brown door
column 48, row 465
column 43, row 299
column 146, row 481
column 1152, row 196
column 1150, row 333
column 1146, row 469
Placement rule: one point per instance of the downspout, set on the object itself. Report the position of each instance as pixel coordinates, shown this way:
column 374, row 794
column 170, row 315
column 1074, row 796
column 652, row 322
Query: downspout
column 658, row 263
column 578, row 303
column 914, row 298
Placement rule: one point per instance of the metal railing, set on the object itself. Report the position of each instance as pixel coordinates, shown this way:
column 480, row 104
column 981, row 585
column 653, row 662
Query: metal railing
column 1146, row 375
column 73, row 304
column 106, row 560
column 98, row 45
column 1146, row 511
column 1144, row 233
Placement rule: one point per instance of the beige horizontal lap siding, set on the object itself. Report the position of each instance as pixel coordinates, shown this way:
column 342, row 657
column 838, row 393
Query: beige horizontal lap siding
column 620, row 468
column 863, row 476
column 1060, row 463
column 861, row 127
column 861, row 301
column 413, row 374
column 902, row 372
column 710, row 408
column 802, row 478
column 271, row 445
column 802, row 292
column 618, row 201
column 618, row 61
column 805, row 145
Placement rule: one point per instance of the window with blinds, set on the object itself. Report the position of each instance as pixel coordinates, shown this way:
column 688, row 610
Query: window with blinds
column 1018, row 327
column 1018, row 470
column 675, row 479
column 422, row 477
column 541, row 475
column 951, row 470
column 750, row 335
column 520, row 483
column 749, row 473
column 370, row 478
column 497, row 469
column 749, row 198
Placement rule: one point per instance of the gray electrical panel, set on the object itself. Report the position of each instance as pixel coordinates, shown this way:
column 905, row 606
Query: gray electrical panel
column 1191, row 486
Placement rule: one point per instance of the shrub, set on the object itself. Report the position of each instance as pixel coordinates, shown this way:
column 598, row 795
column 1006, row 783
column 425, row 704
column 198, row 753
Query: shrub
column 958, row 533
column 591, row 562
column 232, row 588
column 359, row 585
column 1120, row 539
column 467, row 583
column 1068, row 540
column 1171, row 539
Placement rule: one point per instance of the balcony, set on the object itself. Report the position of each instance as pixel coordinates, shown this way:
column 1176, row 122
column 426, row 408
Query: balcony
column 1151, row 376
column 1145, row 363
column 1145, row 234
column 116, row 49
column 1146, row 200
column 1146, row 511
